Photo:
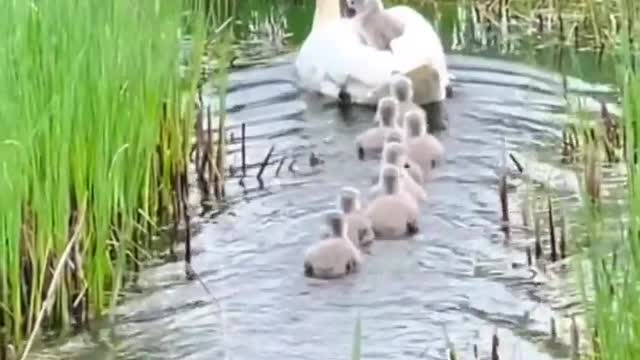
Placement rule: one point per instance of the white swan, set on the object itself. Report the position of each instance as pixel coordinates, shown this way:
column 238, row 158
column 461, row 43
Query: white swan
column 333, row 58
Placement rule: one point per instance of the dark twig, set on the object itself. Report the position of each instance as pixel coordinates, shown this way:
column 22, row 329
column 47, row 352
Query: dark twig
column 504, row 202
column 552, row 232
column 563, row 237
column 495, row 343
column 280, row 164
column 291, row 166
column 265, row 162
column 184, row 191
column 538, row 244
column 516, row 163
column 243, row 150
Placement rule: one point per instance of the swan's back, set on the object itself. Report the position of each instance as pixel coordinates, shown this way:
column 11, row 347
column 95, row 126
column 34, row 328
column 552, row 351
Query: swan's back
column 333, row 55
column 420, row 42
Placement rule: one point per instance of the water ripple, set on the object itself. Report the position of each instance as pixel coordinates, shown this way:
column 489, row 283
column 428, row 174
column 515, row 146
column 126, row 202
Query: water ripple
column 458, row 272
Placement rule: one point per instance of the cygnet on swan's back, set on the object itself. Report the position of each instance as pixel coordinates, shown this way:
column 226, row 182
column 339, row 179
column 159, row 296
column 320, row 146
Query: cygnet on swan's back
column 376, row 27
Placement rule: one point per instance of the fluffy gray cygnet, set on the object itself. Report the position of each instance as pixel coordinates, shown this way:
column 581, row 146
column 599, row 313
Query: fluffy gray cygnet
column 375, row 26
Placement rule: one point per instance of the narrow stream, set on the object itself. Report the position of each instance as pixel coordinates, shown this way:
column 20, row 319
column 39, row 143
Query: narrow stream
column 458, row 272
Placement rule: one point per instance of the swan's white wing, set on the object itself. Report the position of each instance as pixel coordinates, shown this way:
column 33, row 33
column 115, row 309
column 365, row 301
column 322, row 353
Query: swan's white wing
column 333, row 56
column 419, row 44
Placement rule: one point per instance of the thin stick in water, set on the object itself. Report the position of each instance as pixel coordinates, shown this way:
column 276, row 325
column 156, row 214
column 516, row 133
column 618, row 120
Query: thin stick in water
column 280, row 164
column 552, row 232
column 291, row 166
column 516, row 163
column 184, row 191
column 504, row 202
column 265, row 162
column 243, row 150
column 563, row 237
column 538, row 244
column 495, row 343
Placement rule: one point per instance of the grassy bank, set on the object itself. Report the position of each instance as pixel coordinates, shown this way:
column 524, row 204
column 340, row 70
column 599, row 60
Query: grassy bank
column 614, row 275
column 96, row 122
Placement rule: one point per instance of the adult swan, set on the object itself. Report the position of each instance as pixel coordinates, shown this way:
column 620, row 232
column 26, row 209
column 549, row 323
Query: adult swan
column 334, row 61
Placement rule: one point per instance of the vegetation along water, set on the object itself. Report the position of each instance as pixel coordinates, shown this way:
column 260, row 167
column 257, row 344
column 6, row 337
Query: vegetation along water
column 163, row 172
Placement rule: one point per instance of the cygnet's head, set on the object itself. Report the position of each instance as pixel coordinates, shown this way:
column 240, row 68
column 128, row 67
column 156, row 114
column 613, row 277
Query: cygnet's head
column 402, row 88
column 361, row 6
column 387, row 111
column 394, row 136
column 336, row 223
column 349, row 199
column 393, row 153
column 390, row 175
column 415, row 123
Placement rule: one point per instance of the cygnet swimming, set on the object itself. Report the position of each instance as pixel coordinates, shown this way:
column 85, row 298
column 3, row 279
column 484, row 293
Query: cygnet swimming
column 397, row 136
column 335, row 256
column 402, row 90
column 392, row 214
column 371, row 141
column 423, row 148
column 396, row 154
column 359, row 229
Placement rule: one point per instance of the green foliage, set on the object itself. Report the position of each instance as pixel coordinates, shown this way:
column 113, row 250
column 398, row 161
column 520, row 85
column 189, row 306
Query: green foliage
column 95, row 120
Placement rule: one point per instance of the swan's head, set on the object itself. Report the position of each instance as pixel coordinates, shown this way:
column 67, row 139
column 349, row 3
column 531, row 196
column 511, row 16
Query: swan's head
column 328, row 11
column 336, row 223
column 393, row 153
column 390, row 176
column 402, row 88
column 349, row 199
column 394, row 136
column 415, row 123
column 387, row 111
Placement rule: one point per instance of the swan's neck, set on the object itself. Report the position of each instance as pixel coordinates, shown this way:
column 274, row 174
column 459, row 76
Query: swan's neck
column 326, row 12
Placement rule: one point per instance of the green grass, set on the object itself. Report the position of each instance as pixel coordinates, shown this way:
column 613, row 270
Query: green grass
column 95, row 125
column 611, row 279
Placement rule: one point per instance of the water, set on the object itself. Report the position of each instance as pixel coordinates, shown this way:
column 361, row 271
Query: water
column 459, row 272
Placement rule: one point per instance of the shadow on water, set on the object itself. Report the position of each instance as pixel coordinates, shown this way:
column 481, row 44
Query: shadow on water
column 458, row 272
